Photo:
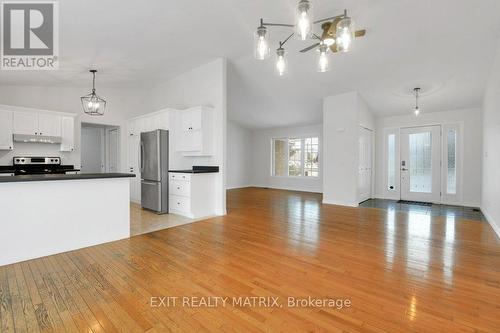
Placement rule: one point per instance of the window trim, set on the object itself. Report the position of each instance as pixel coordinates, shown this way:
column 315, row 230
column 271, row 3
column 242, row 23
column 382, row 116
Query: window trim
column 302, row 157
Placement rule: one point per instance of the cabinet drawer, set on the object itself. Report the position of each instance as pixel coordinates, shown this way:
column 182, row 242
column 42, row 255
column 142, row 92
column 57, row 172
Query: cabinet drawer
column 180, row 176
column 181, row 204
column 180, row 187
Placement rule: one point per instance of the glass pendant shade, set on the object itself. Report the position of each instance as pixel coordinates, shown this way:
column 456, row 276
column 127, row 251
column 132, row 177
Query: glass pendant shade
column 416, row 111
column 281, row 63
column 304, row 20
column 93, row 104
column 323, row 62
column 345, row 34
column 261, row 43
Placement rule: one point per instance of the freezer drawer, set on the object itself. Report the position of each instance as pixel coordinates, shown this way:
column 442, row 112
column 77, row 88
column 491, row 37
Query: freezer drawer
column 151, row 195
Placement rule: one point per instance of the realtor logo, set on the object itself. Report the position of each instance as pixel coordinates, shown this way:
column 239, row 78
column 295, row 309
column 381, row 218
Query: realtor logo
column 30, row 35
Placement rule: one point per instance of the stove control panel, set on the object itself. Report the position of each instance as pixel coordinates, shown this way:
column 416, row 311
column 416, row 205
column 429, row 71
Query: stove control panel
column 37, row 160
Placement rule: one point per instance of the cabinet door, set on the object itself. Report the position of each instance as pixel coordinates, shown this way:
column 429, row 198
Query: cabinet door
column 68, row 134
column 133, row 167
column 133, row 154
column 49, row 125
column 191, row 119
column 6, row 130
column 25, row 123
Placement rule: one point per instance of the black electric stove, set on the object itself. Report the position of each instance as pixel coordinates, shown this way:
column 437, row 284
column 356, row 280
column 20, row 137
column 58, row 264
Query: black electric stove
column 40, row 166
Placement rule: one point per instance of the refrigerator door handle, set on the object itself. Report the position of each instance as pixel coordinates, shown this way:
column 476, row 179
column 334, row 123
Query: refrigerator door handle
column 142, row 157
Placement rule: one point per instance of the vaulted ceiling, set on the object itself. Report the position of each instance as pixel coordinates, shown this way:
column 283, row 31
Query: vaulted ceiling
column 444, row 46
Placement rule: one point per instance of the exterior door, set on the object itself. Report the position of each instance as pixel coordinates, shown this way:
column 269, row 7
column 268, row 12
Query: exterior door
column 421, row 164
column 365, row 164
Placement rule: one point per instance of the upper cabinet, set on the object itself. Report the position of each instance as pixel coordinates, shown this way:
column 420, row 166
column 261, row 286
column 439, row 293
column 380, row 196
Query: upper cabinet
column 35, row 123
column 196, row 131
column 6, row 130
column 49, row 124
column 26, row 123
column 68, row 134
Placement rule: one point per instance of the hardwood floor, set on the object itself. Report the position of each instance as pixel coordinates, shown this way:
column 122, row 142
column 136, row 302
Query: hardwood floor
column 401, row 271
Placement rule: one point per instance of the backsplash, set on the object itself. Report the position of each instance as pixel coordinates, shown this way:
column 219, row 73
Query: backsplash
column 39, row 149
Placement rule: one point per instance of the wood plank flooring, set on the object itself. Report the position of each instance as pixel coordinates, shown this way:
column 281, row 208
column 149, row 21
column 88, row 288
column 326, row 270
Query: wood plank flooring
column 402, row 272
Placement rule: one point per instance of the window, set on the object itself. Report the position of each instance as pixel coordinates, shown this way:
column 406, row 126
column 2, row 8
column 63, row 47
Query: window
column 421, row 162
column 296, row 157
column 451, row 184
column 280, row 160
column 311, row 158
column 391, row 161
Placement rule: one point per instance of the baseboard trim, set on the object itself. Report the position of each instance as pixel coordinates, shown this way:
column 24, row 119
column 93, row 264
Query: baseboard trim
column 340, row 203
column 238, row 186
column 491, row 221
column 286, row 189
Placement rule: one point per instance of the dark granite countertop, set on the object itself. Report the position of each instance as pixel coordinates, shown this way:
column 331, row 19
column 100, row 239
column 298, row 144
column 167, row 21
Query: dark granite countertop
column 38, row 178
column 6, row 169
column 198, row 169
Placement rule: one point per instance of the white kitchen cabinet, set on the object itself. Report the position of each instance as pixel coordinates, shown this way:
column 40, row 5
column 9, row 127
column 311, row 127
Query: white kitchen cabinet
column 26, row 123
column 134, row 162
column 35, row 123
column 6, row 130
column 196, row 131
column 49, row 124
column 188, row 194
column 68, row 134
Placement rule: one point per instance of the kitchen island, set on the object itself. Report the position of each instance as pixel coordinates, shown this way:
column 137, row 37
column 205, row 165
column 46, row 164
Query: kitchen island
column 42, row 215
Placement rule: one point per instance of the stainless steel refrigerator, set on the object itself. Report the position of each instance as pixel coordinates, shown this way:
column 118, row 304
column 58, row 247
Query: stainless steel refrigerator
column 154, row 171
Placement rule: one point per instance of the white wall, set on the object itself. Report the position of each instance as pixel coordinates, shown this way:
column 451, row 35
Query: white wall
column 262, row 159
column 239, row 156
column 205, row 85
column 490, row 204
column 122, row 105
column 472, row 140
column 342, row 116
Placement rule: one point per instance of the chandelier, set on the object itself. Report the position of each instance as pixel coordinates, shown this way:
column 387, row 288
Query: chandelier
column 337, row 36
column 93, row 104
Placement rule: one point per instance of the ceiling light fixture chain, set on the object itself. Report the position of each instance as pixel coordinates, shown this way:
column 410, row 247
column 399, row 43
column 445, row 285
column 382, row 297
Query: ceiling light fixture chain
column 338, row 34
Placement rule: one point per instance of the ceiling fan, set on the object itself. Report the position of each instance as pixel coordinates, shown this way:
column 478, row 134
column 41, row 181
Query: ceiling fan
column 337, row 36
column 329, row 36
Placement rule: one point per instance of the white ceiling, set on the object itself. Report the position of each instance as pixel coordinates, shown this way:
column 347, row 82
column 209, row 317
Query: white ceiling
column 444, row 46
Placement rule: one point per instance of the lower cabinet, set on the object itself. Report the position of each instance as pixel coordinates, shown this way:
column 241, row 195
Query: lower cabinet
column 188, row 194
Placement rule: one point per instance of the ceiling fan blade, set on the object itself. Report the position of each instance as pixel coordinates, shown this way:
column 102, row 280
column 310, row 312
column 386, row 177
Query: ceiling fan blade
column 332, row 31
column 360, row 33
column 310, row 48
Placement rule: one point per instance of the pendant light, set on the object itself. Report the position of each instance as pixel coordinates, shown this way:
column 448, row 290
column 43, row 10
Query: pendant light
column 323, row 63
column 304, row 20
column 416, row 110
column 345, row 33
column 93, row 104
column 281, row 61
column 261, row 43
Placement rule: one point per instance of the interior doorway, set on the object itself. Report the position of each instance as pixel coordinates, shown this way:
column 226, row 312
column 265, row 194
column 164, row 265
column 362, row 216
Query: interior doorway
column 100, row 147
column 421, row 164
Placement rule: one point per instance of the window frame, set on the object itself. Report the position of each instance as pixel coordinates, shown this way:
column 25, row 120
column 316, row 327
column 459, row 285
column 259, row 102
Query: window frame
column 302, row 156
